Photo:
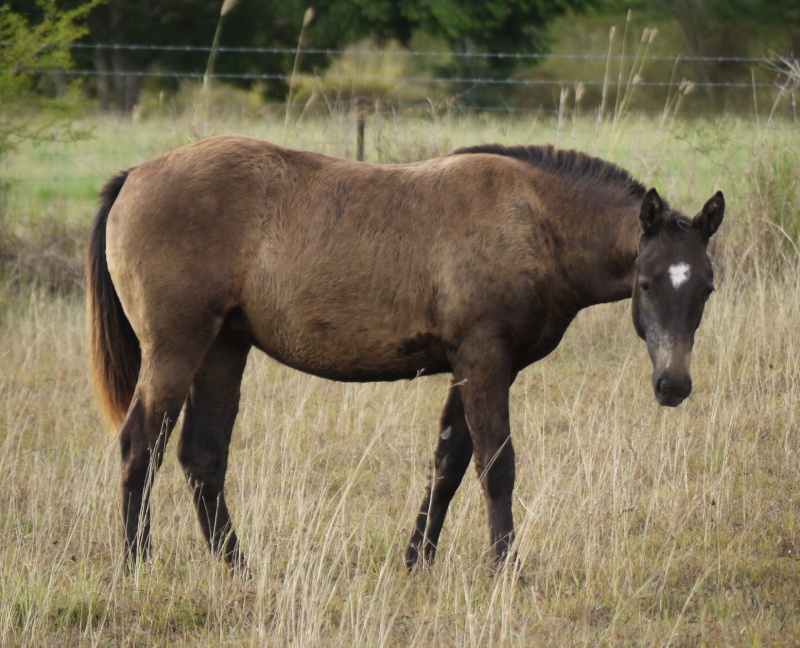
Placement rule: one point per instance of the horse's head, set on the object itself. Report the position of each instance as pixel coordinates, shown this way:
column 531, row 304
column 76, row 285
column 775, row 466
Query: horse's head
column 674, row 279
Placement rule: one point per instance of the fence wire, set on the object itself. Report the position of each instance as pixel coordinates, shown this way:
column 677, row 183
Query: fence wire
column 424, row 54
column 655, row 80
column 255, row 76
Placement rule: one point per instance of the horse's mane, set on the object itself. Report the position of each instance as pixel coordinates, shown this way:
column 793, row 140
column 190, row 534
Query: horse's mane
column 574, row 164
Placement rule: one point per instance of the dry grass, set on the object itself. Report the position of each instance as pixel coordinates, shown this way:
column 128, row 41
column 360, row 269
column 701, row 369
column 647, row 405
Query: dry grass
column 636, row 524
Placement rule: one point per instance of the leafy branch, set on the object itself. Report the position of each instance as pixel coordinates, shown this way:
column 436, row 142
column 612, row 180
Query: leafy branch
column 31, row 56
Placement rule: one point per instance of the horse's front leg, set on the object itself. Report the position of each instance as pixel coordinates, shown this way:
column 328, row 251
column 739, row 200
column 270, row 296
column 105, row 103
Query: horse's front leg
column 482, row 369
column 450, row 461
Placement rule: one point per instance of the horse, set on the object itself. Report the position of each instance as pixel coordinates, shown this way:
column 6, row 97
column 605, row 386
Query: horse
column 473, row 263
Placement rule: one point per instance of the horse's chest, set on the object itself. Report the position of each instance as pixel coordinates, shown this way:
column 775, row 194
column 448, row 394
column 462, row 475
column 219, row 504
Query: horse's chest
column 542, row 337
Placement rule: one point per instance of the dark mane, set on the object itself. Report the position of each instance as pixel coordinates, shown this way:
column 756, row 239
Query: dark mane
column 566, row 163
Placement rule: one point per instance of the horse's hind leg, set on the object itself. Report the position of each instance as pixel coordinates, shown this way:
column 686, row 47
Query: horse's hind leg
column 450, row 461
column 209, row 416
column 155, row 407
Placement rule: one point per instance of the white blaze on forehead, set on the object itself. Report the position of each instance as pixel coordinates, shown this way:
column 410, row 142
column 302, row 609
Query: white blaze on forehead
column 679, row 273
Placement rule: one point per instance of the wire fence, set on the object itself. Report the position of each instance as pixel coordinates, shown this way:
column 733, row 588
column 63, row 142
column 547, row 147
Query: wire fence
column 463, row 81
column 367, row 78
column 390, row 113
column 416, row 53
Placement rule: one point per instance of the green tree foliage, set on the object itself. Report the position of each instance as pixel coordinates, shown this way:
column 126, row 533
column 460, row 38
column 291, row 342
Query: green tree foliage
column 492, row 26
column 477, row 28
column 119, row 74
column 31, row 54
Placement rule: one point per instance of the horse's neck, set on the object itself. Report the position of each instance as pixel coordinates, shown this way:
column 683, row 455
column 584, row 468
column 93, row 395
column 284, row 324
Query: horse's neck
column 602, row 264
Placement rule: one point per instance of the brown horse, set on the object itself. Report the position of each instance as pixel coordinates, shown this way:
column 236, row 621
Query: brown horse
column 474, row 263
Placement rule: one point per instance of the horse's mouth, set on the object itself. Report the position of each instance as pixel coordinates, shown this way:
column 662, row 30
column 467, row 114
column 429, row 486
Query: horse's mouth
column 670, row 394
column 669, row 399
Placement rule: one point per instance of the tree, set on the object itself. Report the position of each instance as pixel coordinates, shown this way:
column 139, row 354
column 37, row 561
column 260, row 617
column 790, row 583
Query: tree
column 722, row 31
column 35, row 104
column 474, row 28
column 30, row 52
column 492, row 26
column 120, row 73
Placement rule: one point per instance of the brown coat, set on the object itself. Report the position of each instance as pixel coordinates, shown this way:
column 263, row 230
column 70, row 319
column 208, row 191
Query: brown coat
column 473, row 263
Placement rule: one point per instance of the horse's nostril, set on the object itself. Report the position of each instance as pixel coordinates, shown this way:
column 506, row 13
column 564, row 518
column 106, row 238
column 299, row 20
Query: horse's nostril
column 679, row 387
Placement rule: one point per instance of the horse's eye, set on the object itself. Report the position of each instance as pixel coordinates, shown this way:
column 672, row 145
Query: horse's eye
column 708, row 292
column 644, row 286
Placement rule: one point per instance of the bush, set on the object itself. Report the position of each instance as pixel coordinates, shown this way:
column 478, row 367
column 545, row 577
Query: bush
column 38, row 103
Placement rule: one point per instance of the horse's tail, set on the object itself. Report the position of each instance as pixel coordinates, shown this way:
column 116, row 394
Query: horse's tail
column 114, row 351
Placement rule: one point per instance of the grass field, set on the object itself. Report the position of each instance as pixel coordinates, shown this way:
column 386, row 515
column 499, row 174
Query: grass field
column 636, row 525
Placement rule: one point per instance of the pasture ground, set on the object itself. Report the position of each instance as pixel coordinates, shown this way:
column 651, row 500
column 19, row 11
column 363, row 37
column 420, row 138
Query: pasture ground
column 636, row 525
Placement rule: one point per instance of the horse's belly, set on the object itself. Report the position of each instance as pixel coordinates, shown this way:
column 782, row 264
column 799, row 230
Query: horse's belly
column 358, row 351
column 348, row 359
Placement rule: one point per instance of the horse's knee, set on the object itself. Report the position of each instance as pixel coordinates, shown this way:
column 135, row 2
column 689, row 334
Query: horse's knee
column 204, row 469
column 498, row 473
column 205, row 485
column 449, row 468
column 204, row 472
column 185, row 451
column 135, row 471
column 135, row 449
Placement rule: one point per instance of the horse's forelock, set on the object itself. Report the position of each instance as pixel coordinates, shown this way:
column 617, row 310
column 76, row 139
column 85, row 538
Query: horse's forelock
column 676, row 221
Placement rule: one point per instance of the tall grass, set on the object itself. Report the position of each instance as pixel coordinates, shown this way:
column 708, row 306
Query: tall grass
column 636, row 525
column 202, row 123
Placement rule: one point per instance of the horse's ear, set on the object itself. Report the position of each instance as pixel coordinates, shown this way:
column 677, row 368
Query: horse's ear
column 710, row 218
column 651, row 212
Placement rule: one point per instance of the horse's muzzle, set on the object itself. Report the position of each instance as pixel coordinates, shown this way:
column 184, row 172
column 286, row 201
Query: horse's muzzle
column 671, row 391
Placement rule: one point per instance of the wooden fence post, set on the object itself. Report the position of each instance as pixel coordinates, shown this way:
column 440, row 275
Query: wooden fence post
column 361, row 118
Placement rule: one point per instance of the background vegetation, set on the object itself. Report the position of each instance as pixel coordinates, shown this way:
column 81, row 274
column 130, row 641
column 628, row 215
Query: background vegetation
column 716, row 38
